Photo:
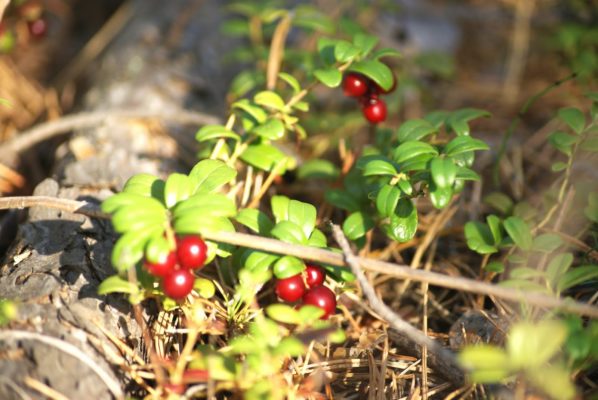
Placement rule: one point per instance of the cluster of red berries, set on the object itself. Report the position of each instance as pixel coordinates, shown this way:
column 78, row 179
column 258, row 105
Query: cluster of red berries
column 175, row 268
column 368, row 94
column 309, row 288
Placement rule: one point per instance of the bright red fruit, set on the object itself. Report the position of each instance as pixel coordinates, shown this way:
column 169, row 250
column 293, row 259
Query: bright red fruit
column 321, row 296
column 38, row 28
column 178, row 284
column 162, row 267
column 290, row 289
column 355, row 85
column 374, row 110
column 191, row 252
column 314, row 276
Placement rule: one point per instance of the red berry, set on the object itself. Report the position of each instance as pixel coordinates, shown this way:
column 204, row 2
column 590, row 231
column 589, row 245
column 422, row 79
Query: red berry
column 290, row 289
column 163, row 266
column 178, row 284
column 321, row 296
column 192, row 252
column 374, row 110
column 38, row 28
column 314, row 276
column 355, row 85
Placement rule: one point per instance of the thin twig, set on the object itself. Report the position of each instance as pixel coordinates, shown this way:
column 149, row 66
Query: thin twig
column 24, row 140
column 69, row 349
column 44, row 389
column 328, row 257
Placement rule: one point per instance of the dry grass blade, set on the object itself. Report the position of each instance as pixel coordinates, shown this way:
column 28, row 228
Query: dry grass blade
column 277, row 50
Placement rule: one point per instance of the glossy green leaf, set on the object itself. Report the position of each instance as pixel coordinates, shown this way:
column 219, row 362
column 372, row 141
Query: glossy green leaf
column 532, row 345
column 289, row 346
column 289, row 232
column 403, row 222
column 573, row 117
column 356, row 225
column 563, row 141
column 178, row 187
column 257, row 113
column 317, row 239
column 341, row 199
column 288, row 266
column 466, row 174
column 558, row 266
column 198, row 223
column 440, row 196
column 325, row 47
column 129, row 248
column 204, row 287
column 405, row 186
column 283, row 313
column 495, row 266
column 554, row 380
column 486, row 363
column 310, row 18
column 500, row 202
column 210, row 175
column 330, row 77
column 157, row 248
column 272, row 129
column 378, row 166
column 291, row 81
column 245, row 82
column 254, row 260
column 269, row 99
column 558, row 166
column 385, row 52
column 443, row 171
column 303, row 214
column 211, row 204
column 318, row 169
column 301, row 106
column 577, row 276
column 265, row 157
column 124, row 199
column 494, row 224
column 255, row 220
column 365, row 43
column 479, row 238
column 116, row 284
column 547, row 242
column 133, row 218
column 309, row 314
column 412, row 149
column 458, row 121
column 387, row 199
column 415, row 129
column 519, row 231
column 462, row 144
column 417, row 163
column 210, row 132
column 437, row 118
column 376, row 71
column 345, row 51
column 145, row 185
column 280, row 208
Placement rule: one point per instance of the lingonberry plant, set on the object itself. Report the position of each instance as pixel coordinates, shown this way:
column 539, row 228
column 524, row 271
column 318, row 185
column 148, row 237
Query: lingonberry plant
column 161, row 255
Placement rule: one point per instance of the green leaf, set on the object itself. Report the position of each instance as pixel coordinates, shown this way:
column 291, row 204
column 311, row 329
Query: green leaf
column 444, row 172
column 547, row 242
column 495, row 266
column 210, row 204
column 289, row 232
column 589, row 144
column 210, row 132
column 309, row 314
column 494, row 224
column 415, row 129
column 558, row 166
column 458, row 121
column 318, row 169
column 330, row 77
column 405, row 187
column 573, row 117
column 265, row 157
column 302, row 214
column 291, row 81
column 341, row 199
column 254, row 260
column 387, row 199
column 128, row 249
column 283, row 313
column 309, row 18
column 257, row 113
column 345, row 51
column 437, row 118
column 578, row 275
column 377, row 71
column 385, row 52
column 301, row 106
column 326, row 49
column 557, row 267
column 255, row 220
column 132, row 218
column 245, row 82
column 486, row 363
column 157, row 248
column 123, row 199
column 357, row 224
column 462, row 144
column 204, row 287
column 317, row 239
column 198, row 223
column 532, row 345
column 377, row 165
column 116, row 284
column 272, row 129
column 562, row 141
column 466, row 174
column 479, row 238
column 417, row 163
column 403, row 223
column 365, row 43
column 280, row 208
column 590, row 211
column 211, row 175
column 145, row 185
column 440, row 196
column 289, row 347
column 288, row 266
column 178, row 187
column 413, row 149
column 553, row 380
column 269, row 99
column 519, row 231
column 500, row 202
